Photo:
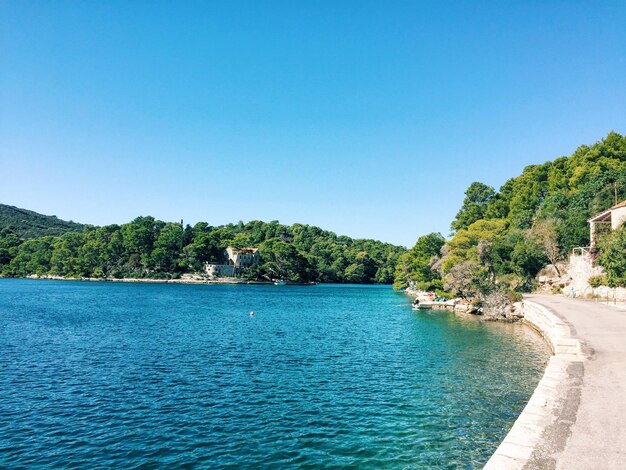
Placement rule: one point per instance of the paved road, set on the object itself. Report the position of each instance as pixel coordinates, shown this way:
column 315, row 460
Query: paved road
column 598, row 433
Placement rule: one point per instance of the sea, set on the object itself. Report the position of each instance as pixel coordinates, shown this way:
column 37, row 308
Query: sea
column 143, row 375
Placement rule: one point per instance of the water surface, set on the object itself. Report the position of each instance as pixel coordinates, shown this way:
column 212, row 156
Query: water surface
column 124, row 375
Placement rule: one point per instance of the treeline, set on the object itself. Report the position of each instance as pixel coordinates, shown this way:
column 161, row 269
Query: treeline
column 149, row 248
column 502, row 239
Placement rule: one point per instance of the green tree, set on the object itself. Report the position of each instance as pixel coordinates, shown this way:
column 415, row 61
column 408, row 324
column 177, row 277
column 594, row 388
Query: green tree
column 33, row 257
column 477, row 198
column 9, row 244
column 285, row 262
column 613, row 256
column 65, row 259
column 416, row 264
column 139, row 237
column 167, row 250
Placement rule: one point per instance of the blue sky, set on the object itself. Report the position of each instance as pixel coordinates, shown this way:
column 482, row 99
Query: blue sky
column 366, row 118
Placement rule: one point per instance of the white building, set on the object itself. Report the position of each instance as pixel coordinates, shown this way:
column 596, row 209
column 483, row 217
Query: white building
column 233, row 259
column 243, row 257
column 610, row 219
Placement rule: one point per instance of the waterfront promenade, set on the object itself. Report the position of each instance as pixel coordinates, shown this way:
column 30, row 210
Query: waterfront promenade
column 590, row 428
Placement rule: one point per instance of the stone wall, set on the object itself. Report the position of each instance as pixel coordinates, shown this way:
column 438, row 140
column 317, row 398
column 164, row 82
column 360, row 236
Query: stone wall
column 553, row 329
column 609, row 294
column 219, row 270
column 580, row 269
column 544, row 406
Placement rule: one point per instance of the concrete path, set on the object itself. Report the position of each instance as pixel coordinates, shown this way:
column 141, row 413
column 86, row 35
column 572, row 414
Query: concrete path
column 591, row 433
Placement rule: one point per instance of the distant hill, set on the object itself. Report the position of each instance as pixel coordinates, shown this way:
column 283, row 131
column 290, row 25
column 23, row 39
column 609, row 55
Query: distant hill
column 153, row 249
column 28, row 224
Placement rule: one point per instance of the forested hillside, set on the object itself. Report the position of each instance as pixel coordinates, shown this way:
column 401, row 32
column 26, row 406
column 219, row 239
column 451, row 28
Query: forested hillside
column 149, row 248
column 28, row 224
column 501, row 239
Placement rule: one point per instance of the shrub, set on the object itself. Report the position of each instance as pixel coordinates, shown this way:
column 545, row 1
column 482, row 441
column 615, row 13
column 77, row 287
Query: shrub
column 598, row 280
column 613, row 257
column 429, row 286
column 513, row 296
column 443, row 293
column 513, row 282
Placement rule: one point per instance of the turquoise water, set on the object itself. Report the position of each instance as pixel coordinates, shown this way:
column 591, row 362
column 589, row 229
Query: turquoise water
column 125, row 375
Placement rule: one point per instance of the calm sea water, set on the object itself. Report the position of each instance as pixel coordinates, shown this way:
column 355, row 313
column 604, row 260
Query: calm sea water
column 154, row 375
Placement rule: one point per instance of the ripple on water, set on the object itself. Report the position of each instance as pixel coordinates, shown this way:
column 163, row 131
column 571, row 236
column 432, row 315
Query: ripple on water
column 110, row 375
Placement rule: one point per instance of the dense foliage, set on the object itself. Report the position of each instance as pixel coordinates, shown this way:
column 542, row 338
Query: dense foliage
column 502, row 239
column 613, row 257
column 151, row 248
column 28, row 224
column 417, row 264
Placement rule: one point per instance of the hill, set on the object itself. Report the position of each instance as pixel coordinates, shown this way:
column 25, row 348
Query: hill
column 29, row 224
column 501, row 239
column 150, row 248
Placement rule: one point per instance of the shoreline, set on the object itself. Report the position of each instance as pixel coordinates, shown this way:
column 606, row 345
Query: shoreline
column 188, row 280
column 229, row 281
column 544, row 425
column 555, row 399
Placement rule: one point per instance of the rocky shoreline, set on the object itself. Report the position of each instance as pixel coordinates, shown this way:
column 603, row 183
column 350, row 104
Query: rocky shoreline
column 496, row 307
column 182, row 280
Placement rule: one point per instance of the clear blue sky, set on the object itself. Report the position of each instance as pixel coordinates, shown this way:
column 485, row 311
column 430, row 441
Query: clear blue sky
column 366, row 118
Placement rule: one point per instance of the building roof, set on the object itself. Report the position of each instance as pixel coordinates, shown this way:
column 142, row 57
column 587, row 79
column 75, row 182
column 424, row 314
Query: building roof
column 606, row 215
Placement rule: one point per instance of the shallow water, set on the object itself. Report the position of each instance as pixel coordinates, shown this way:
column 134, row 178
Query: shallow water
column 124, row 375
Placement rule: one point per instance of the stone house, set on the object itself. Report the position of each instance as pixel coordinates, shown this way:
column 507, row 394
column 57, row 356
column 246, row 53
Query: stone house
column 243, row 257
column 232, row 260
column 606, row 221
column 581, row 262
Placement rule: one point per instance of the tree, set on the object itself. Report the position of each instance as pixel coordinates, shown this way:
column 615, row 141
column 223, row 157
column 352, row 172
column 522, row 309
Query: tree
column 9, row 243
column 355, row 273
column 139, row 236
column 481, row 253
column 546, row 234
column 65, row 259
column 153, row 248
column 477, row 198
column 416, row 264
column 33, row 257
column 613, row 256
column 464, row 279
column 284, row 261
column 167, row 249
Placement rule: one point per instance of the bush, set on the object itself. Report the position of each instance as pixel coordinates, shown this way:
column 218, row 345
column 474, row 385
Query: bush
column 430, row 286
column 556, row 290
column 613, row 257
column 443, row 293
column 514, row 282
column 513, row 296
column 599, row 280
